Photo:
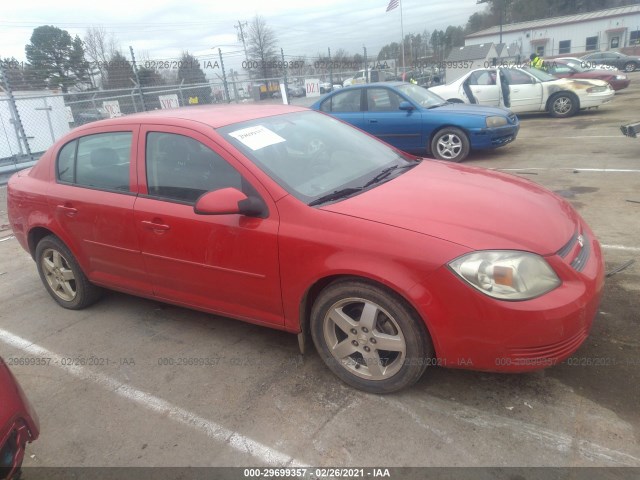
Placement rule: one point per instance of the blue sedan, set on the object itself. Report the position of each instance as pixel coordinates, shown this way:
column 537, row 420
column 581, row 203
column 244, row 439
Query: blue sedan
column 416, row 120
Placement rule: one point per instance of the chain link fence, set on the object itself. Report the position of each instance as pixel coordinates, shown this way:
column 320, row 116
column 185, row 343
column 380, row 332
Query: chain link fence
column 31, row 121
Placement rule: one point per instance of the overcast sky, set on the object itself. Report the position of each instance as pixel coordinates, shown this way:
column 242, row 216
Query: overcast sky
column 162, row 29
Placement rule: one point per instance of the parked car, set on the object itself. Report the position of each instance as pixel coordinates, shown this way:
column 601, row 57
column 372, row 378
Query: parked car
column 90, row 115
column 296, row 91
column 415, row 120
column 526, row 89
column 291, row 219
column 615, row 59
column 325, row 87
column 584, row 64
column 19, row 424
column 571, row 69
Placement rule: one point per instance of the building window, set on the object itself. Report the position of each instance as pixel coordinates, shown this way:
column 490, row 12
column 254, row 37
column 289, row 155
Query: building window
column 592, row 43
column 564, row 46
column 634, row 38
column 540, row 50
column 615, row 42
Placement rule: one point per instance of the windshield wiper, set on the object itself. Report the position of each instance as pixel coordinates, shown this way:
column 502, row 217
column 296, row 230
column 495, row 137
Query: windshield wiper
column 343, row 192
column 386, row 172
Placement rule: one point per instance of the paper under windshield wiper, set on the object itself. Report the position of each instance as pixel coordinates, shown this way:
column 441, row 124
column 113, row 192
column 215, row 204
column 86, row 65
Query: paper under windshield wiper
column 344, row 192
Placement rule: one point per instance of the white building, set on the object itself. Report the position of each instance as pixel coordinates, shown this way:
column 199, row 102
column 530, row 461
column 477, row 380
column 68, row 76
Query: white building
column 571, row 35
column 464, row 59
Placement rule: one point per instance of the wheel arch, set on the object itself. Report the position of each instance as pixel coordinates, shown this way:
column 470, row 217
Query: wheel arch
column 35, row 235
column 560, row 92
column 313, row 291
column 435, row 131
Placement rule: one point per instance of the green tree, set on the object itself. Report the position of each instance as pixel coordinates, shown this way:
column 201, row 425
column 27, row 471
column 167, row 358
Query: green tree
column 57, row 59
column 190, row 73
column 119, row 72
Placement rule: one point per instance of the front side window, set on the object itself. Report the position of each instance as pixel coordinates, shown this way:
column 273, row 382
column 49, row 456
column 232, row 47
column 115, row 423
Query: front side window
column 382, row 100
column 181, row 168
column 98, row 161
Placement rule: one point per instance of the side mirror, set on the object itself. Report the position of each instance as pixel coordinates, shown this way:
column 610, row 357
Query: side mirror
column 406, row 106
column 229, row 201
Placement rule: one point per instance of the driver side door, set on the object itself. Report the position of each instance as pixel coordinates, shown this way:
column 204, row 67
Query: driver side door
column 226, row 264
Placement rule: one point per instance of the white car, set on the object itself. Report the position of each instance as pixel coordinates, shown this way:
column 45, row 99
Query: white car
column 589, row 65
column 525, row 89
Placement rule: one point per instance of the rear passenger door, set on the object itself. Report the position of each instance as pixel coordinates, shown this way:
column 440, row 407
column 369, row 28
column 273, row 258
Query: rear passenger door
column 346, row 105
column 223, row 263
column 92, row 201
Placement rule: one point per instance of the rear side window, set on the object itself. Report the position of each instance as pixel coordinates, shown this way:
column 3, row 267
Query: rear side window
column 97, row 161
column 347, row 101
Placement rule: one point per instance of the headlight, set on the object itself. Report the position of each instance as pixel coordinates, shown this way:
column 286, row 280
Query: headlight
column 598, row 89
column 621, row 77
column 493, row 122
column 506, row 274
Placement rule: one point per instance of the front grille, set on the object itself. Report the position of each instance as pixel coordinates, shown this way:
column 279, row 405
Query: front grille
column 576, row 251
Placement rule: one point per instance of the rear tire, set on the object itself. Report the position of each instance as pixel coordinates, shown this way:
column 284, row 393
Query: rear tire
column 369, row 337
column 62, row 276
column 450, row 144
column 630, row 67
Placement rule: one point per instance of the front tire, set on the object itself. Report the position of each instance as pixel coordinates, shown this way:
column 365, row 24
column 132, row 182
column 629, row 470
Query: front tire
column 369, row 337
column 62, row 276
column 563, row 105
column 450, row 144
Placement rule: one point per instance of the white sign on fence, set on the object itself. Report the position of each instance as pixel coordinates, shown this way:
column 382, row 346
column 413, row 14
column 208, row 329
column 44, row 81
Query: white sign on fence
column 169, row 101
column 312, row 85
column 112, row 107
column 69, row 114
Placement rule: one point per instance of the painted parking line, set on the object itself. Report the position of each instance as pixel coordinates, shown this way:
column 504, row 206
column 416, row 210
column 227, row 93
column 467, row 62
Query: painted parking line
column 557, row 441
column 621, row 247
column 211, row 429
column 570, row 169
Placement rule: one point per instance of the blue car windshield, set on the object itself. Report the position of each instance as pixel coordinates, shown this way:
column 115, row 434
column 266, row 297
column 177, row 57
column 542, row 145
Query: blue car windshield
column 421, row 95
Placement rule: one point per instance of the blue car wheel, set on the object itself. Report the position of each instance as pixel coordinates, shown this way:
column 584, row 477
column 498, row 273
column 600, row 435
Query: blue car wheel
column 450, row 144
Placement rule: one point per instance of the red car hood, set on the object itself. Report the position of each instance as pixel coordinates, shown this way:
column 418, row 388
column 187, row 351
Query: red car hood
column 474, row 207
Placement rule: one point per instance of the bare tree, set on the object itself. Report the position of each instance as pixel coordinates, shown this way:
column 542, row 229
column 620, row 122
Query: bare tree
column 100, row 47
column 261, row 46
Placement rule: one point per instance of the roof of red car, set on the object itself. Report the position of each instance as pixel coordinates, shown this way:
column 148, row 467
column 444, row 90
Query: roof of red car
column 213, row 115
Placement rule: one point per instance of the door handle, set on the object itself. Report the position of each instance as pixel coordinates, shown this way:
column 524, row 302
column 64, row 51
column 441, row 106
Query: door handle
column 373, row 121
column 515, row 90
column 68, row 211
column 155, row 226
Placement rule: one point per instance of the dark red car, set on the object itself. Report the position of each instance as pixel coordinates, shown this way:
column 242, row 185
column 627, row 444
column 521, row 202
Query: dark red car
column 288, row 218
column 18, row 423
column 568, row 68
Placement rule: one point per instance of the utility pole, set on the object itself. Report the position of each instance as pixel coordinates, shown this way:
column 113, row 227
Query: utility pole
column 366, row 66
column 135, row 72
column 285, row 74
column 224, row 78
column 241, row 35
column 330, row 69
column 16, row 120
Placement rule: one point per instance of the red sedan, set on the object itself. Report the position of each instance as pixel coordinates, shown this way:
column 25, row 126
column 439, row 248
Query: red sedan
column 568, row 68
column 291, row 219
column 18, row 424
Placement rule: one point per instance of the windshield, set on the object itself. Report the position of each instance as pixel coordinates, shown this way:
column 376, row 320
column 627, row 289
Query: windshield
column 539, row 74
column 311, row 154
column 421, row 96
column 577, row 66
